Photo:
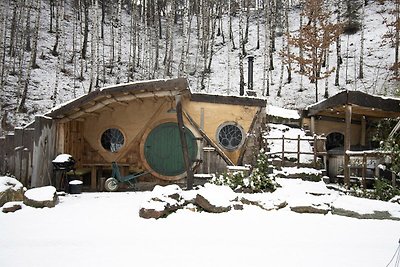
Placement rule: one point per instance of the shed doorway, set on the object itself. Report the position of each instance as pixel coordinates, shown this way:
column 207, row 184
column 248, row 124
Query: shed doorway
column 163, row 150
column 334, row 140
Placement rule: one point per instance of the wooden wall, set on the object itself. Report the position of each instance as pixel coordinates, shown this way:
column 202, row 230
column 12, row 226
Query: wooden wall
column 135, row 119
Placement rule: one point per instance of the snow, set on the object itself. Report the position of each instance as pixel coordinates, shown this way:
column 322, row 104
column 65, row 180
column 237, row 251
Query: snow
column 366, row 206
column 219, row 196
column 224, row 75
column 8, row 182
column 62, row 158
column 104, row 229
column 279, row 130
column 282, row 112
column 76, row 182
column 45, row 193
column 295, row 170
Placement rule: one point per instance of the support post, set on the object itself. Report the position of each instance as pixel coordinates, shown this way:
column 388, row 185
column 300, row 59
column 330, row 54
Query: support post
column 347, row 135
column 185, row 151
column 363, row 130
column 312, row 126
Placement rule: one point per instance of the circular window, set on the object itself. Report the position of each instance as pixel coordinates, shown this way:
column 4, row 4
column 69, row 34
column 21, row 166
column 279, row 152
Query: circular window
column 230, row 136
column 112, row 139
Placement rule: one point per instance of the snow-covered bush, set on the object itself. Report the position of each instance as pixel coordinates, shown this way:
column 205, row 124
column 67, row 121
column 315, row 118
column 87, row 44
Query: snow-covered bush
column 257, row 181
column 382, row 191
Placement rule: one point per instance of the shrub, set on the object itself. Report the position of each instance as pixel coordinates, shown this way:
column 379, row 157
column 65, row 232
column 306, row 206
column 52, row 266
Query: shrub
column 257, row 181
column 382, row 191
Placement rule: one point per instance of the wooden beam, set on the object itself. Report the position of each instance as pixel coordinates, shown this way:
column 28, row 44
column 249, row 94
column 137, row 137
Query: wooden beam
column 185, row 150
column 312, row 126
column 220, row 152
column 347, row 138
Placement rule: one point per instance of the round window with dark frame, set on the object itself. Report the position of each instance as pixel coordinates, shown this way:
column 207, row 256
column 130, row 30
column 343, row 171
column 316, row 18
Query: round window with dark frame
column 230, row 136
column 112, row 139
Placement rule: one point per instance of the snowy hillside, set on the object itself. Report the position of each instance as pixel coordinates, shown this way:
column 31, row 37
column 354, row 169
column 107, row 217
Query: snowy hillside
column 65, row 75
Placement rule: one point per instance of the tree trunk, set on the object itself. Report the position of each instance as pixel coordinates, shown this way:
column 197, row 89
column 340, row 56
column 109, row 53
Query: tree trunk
column 361, row 68
column 86, row 28
column 28, row 47
column 289, row 66
column 241, row 54
column 267, row 54
column 36, row 35
column 339, row 60
column 54, row 51
column 397, row 39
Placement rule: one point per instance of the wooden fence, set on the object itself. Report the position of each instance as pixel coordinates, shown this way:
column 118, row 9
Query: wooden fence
column 358, row 165
column 314, row 142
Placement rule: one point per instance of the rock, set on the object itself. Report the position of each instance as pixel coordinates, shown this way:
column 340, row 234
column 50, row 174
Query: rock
column 207, row 206
column 378, row 215
column 319, row 209
column 237, row 206
column 152, row 213
column 362, row 208
column 10, row 190
column 160, row 207
column 11, row 206
column 268, row 204
column 395, row 199
column 41, row 197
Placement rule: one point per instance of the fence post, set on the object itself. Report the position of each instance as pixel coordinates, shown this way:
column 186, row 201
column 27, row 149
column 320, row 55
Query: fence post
column 315, row 150
column 298, row 151
column 283, row 151
column 364, row 171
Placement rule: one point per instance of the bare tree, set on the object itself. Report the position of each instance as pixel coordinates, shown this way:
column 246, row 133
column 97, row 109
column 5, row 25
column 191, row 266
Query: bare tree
column 393, row 36
column 361, row 68
column 241, row 50
column 267, row 47
column 339, row 59
column 315, row 38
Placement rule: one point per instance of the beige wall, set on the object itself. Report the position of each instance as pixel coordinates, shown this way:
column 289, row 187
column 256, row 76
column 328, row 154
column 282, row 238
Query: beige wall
column 327, row 127
column 136, row 120
column 217, row 114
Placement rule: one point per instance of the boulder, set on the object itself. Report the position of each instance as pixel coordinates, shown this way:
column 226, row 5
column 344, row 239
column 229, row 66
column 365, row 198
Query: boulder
column 11, row 206
column 10, row 190
column 215, row 198
column 159, row 208
column 205, row 204
column 319, row 209
column 362, row 208
column 265, row 204
column 377, row 215
column 41, row 197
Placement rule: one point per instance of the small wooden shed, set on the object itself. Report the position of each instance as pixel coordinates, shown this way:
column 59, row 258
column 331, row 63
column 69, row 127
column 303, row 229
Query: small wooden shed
column 347, row 120
column 137, row 125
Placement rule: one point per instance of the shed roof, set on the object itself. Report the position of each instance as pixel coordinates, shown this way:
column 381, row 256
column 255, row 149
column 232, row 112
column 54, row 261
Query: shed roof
column 121, row 94
column 363, row 104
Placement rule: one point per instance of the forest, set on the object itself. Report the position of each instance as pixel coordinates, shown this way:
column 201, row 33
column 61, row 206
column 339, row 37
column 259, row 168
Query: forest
column 52, row 51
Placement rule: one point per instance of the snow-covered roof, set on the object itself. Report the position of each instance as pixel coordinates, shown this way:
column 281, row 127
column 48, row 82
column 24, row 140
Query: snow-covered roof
column 362, row 103
column 98, row 99
column 282, row 112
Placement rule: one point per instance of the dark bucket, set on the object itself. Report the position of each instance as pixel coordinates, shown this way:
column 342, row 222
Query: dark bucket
column 75, row 187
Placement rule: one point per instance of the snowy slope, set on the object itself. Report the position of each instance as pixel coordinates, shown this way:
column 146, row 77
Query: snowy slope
column 224, row 76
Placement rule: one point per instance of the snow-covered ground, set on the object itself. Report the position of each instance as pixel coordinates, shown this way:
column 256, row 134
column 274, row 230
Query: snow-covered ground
column 104, row 229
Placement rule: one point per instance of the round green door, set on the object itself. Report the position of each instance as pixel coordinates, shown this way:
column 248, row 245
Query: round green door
column 163, row 149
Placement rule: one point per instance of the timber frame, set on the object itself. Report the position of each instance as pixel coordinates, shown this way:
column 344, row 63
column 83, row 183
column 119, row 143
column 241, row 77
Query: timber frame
column 351, row 108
